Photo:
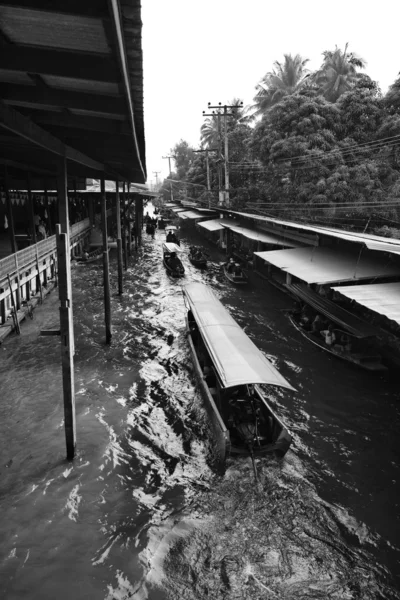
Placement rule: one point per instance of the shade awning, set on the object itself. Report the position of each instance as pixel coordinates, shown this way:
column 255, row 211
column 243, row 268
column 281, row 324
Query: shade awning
column 171, row 247
column 178, row 209
column 215, row 224
column 236, row 358
column 346, row 320
column 191, row 214
column 382, row 298
column 260, row 236
column 323, row 265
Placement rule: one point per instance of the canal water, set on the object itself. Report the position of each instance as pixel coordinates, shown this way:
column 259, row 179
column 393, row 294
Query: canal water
column 143, row 512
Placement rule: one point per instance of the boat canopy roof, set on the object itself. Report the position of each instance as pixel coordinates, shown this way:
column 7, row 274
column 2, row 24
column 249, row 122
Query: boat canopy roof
column 236, row 358
column 171, row 228
column 346, row 320
column 170, row 247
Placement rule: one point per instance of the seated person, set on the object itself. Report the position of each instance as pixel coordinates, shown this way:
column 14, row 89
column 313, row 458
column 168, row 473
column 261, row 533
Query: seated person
column 174, row 261
column 329, row 336
column 344, row 344
column 317, row 325
column 170, row 236
column 230, row 265
column 237, row 270
column 305, row 316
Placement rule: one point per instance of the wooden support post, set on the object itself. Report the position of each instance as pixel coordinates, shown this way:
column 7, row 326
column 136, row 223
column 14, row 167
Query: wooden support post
column 18, row 291
column 106, row 272
column 126, row 241
column 139, row 225
column 10, row 216
column 31, row 209
column 47, row 206
column 119, row 239
column 39, row 281
column 67, row 338
column 14, row 307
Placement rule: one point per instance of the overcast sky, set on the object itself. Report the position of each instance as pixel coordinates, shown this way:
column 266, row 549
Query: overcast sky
column 200, row 51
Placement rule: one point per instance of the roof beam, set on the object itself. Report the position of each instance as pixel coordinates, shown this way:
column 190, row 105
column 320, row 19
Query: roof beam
column 13, row 121
column 77, row 65
column 87, row 8
column 86, row 122
column 62, row 98
column 114, row 9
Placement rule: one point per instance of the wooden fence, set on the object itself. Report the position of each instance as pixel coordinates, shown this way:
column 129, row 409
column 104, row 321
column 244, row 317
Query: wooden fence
column 31, row 269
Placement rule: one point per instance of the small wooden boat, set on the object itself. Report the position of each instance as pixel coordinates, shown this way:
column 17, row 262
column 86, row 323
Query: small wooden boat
column 90, row 257
column 171, row 261
column 230, row 369
column 150, row 228
column 364, row 358
column 197, row 257
column 237, row 278
column 360, row 335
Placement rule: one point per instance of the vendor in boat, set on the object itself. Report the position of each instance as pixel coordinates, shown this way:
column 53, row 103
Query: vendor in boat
column 344, row 344
column 230, row 265
column 173, row 261
column 237, row 271
column 329, row 336
column 318, row 324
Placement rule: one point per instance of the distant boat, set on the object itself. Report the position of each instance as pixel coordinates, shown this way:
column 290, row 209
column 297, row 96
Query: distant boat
column 359, row 347
column 172, row 263
column 238, row 278
column 230, row 369
column 197, row 257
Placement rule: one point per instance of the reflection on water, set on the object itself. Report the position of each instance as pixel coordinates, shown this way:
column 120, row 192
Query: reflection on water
column 141, row 513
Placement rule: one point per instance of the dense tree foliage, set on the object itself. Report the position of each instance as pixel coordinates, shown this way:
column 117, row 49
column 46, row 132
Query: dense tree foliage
column 322, row 145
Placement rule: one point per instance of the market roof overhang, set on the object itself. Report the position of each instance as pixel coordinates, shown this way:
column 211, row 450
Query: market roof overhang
column 71, row 84
column 324, row 265
column 259, row 236
column 372, row 242
column 382, row 298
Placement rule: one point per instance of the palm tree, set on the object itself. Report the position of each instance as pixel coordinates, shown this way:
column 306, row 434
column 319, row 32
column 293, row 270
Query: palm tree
column 338, row 73
column 210, row 135
column 285, row 79
column 392, row 98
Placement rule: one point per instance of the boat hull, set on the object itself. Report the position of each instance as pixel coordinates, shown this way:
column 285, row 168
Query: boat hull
column 364, row 362
column 239, row 280
column 276, row 442
column 174, row 272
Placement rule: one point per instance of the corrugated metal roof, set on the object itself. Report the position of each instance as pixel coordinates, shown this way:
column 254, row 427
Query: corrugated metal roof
column 10, row 76
column 190, row 214
column 325, row 265
column 70, row 83
column 215, row 224
column 372, row 242
column 235, row 357
column 260, row 236
column 46, row 28
column 382, row 298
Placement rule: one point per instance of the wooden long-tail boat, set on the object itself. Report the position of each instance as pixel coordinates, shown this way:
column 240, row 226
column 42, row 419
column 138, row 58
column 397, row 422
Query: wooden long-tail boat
column 230, row 370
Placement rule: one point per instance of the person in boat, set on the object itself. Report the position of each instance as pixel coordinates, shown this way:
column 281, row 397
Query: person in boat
column 237, row 270
column 329, row 336
column 305, row 316
column 170, row 237
column 230, row 265
column 344, row 344
column 174, row 261
column 317, row 325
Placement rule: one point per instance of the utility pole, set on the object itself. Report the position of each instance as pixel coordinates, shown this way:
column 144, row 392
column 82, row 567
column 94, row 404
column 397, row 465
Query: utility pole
column 222, row 110
column 156, row 174
column 170, row 173
column 207, row 150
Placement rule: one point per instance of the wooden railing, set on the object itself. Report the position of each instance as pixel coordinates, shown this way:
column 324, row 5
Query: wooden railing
column 31, row 268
